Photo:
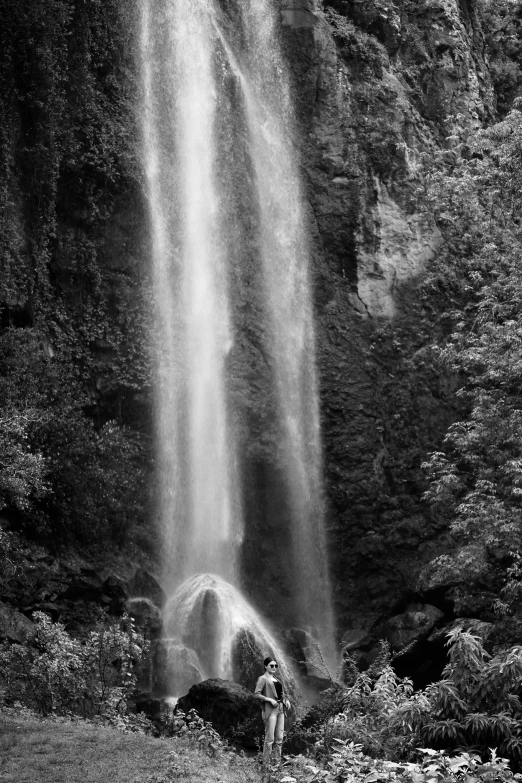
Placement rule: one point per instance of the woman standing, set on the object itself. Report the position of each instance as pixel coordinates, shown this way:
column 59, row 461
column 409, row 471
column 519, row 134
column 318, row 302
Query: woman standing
column 270, row 691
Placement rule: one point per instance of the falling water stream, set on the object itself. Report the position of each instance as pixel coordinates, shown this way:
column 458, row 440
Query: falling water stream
column 192, row 52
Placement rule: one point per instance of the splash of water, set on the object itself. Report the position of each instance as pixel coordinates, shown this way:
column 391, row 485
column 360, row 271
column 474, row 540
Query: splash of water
column 191, row 54
column 210, row 617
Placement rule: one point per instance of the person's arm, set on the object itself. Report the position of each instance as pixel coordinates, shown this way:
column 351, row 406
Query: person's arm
column 258, row 693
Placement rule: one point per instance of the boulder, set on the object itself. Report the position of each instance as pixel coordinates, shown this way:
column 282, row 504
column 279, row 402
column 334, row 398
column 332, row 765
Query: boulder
column 411, row 626
column 115, row 593
column 247, row 655
column 173, row 662
column 294, row 642
column 355, row 639
column 86, row 585
column 230, row 708
column 14, row 626
column 144, row 585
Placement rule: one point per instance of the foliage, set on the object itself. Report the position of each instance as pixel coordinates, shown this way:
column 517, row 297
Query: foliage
column 72, row 315
column 62, row 675
column 348, row 764
column 501, row 22
column 64, row 475
column 194, row 728
column 197, row 734
column 476, row 477
column 356, row 46
column 358, row 709
column 474, row 706
column 11, row 556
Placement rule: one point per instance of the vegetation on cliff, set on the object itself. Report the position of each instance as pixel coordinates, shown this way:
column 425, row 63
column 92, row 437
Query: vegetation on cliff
column 476, row 478
column 73, row 325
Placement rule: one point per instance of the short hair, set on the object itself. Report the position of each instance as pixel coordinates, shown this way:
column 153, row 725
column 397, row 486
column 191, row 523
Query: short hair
column 268, row 660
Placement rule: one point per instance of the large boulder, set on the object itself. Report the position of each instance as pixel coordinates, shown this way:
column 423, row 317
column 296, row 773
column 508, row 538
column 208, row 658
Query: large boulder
column 230, row 708
column 413, row 625
column 14, row 626
column 115, row 593
column 144, row 585
column 85, row 585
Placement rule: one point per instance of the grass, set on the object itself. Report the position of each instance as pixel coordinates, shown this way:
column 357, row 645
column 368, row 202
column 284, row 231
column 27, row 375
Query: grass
column 34, row 750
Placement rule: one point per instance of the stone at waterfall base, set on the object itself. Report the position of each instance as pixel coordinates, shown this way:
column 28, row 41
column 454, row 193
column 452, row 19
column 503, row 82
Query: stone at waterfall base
column 230, row 708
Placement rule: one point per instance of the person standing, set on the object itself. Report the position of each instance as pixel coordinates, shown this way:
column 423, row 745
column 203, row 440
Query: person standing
column 269, row 690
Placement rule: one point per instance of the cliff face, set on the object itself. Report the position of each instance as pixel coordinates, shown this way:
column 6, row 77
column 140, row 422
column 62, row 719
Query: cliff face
column 379, row 87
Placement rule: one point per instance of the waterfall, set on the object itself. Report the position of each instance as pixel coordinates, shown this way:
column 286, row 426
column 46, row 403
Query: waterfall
column 213, row 81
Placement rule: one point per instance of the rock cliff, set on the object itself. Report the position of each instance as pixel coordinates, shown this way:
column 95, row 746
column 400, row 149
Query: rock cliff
column 379, row 87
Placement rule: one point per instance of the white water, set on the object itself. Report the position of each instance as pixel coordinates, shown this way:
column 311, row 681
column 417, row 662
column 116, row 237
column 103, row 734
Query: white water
column 188, row 47
column 211, row 617
column 193, row 332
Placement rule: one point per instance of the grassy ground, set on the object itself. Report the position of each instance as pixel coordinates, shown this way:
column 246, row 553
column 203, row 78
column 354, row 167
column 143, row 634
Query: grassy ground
column 43, row 751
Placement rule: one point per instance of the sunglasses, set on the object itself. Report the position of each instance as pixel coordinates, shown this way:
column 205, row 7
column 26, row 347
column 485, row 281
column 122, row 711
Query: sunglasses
column 272, row 666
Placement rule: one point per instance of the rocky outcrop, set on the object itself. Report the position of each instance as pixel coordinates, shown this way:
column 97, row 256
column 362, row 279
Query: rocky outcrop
column 231, row 709
column 14, row 626
column 412, row 626
column 71, row 590
column 144, row 585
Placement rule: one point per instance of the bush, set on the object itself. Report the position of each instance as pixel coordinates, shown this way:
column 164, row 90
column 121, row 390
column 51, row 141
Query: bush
column 475, row 706
column 358, row 709
column 62, row 675
column 361, row 50
column 477, row 703
column 348, row 764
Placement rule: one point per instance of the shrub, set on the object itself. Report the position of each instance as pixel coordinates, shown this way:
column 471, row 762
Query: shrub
column 362, row 50
column 477, row 702
column 475, row 706
column 348, row 764
column 61, row 675
column 359, row 709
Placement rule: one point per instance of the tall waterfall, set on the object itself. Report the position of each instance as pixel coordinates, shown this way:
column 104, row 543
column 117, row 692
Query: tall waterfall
column 214, row 81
